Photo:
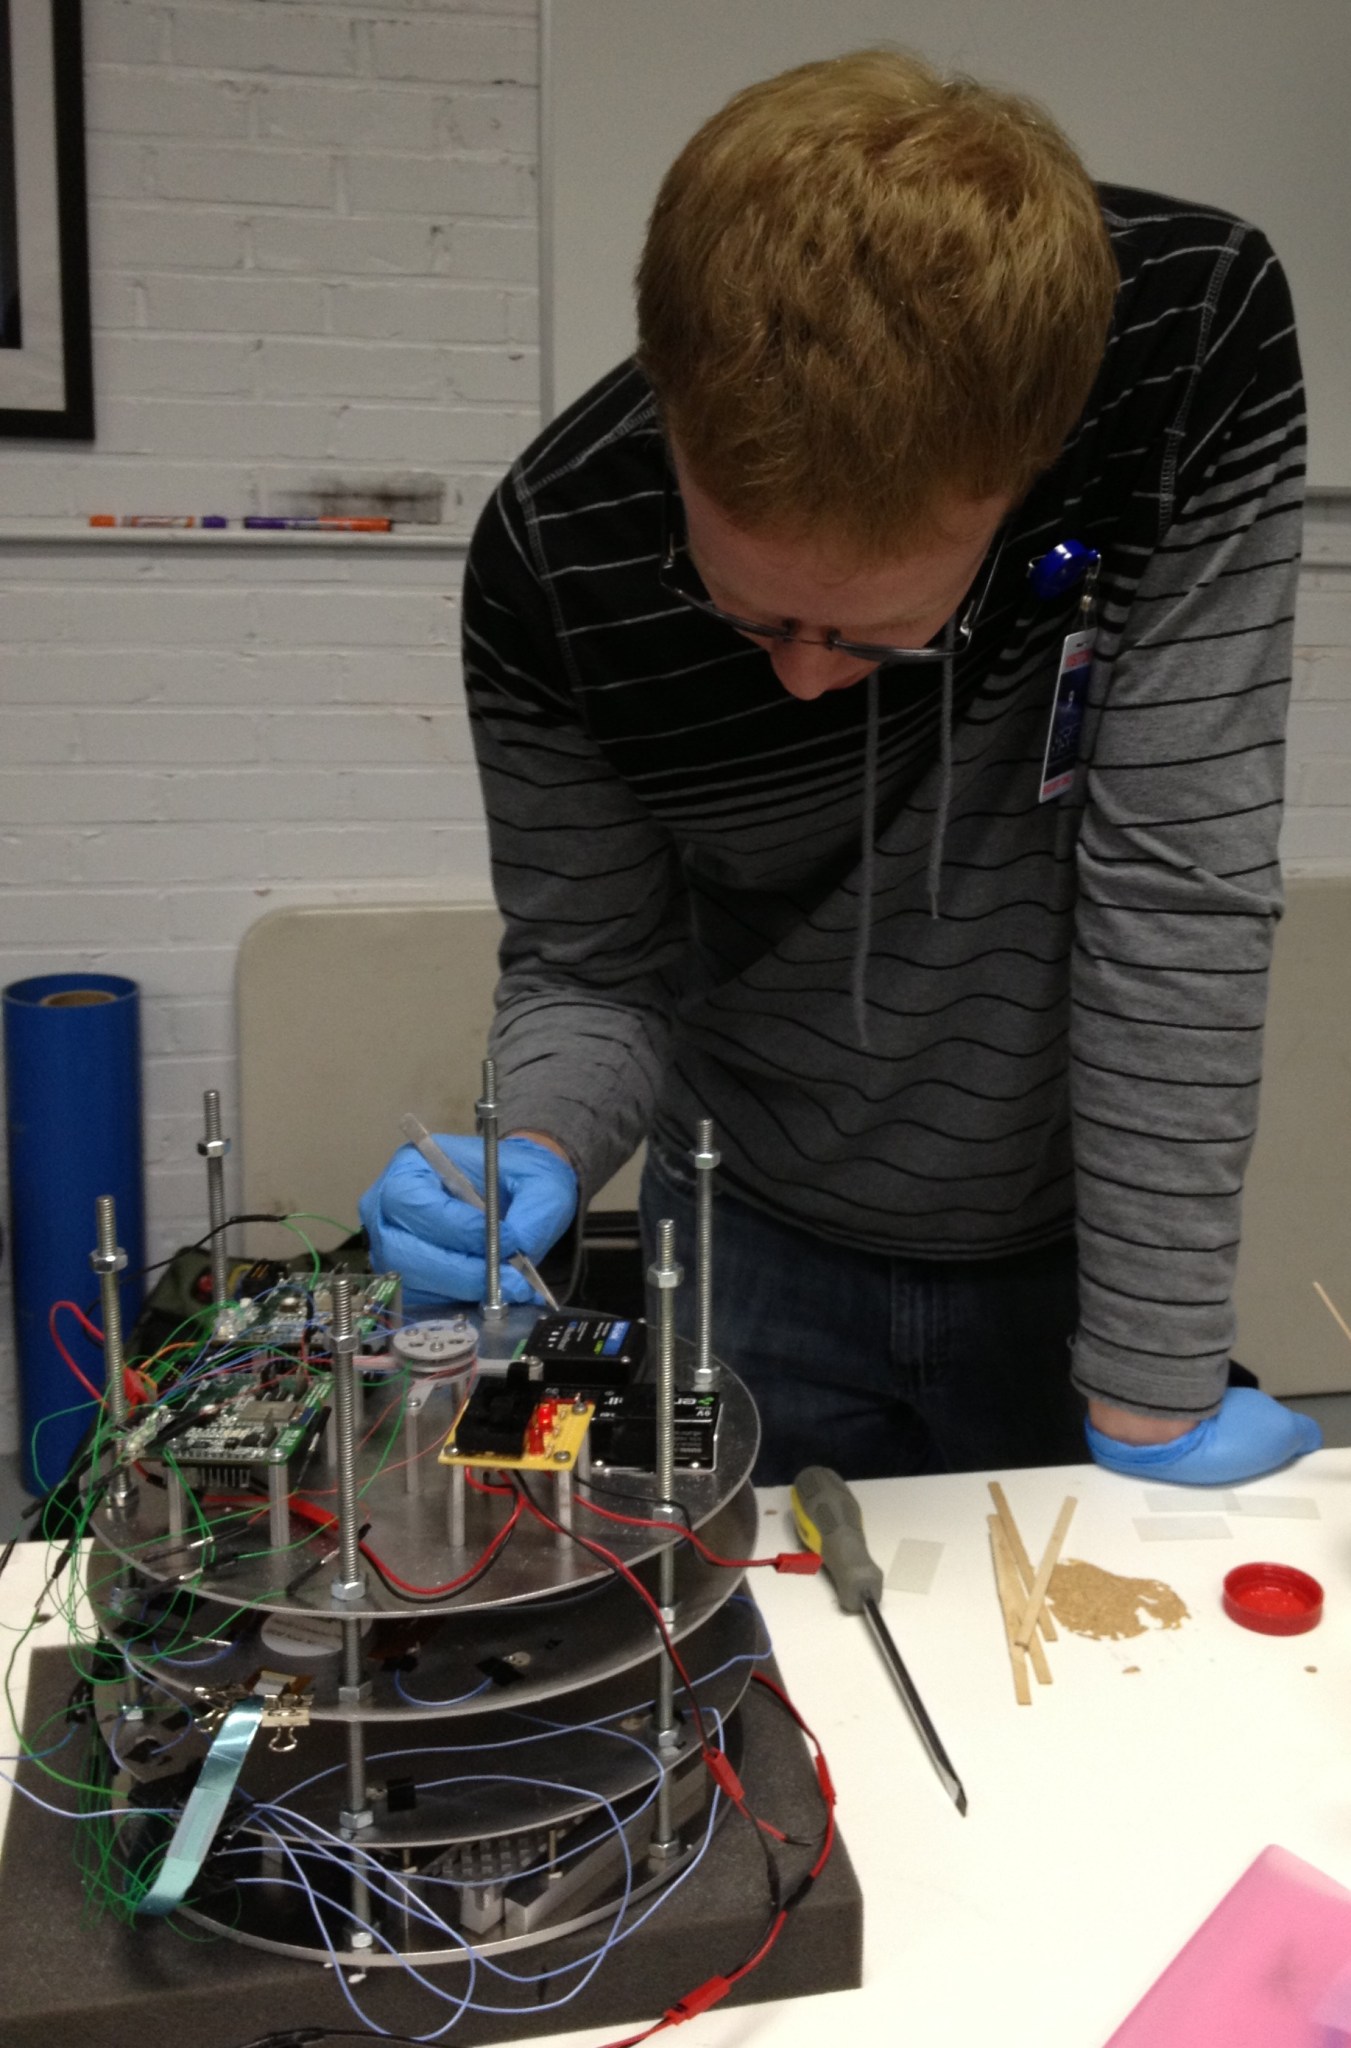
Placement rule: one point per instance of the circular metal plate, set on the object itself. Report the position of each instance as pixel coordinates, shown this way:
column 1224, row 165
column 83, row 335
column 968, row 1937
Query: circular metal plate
column 490, row 1776
column 466, row 1661
column 408, row 1531
column 277, row 1918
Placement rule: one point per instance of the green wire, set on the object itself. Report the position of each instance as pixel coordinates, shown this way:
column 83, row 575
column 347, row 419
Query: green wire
column 111, row 1881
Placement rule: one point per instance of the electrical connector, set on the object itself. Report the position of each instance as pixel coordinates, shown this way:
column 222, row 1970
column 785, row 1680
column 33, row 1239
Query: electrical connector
column 719, row 1767
column 699, row 2000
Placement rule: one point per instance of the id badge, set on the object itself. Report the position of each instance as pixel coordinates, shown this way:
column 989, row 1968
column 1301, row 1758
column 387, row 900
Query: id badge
column 1067, row 715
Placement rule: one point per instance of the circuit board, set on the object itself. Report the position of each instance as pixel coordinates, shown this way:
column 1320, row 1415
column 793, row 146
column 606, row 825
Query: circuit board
column 289, row 1312
column 230, row 1442
column 511, row 1429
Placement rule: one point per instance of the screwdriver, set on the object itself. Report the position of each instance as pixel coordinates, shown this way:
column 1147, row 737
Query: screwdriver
column 829, row 1522
column 456, row 1183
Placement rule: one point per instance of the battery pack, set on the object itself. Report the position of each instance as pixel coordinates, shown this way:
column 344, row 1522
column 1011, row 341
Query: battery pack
column 582, row 1352
column 624, row 1430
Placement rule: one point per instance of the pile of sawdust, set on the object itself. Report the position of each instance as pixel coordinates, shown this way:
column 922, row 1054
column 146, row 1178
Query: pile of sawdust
column 1091, row 1602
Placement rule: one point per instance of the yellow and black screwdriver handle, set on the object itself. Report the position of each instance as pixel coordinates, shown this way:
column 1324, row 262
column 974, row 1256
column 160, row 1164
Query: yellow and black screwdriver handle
column 829, row 1522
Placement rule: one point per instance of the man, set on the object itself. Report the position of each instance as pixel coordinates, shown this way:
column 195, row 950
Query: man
column 764, row 642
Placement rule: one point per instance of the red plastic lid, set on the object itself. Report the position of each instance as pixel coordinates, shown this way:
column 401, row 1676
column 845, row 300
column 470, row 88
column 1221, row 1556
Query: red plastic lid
column 1274, row 1599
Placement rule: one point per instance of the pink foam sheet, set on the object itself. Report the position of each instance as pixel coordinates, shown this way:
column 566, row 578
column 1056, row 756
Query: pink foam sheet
column 1270, row 1968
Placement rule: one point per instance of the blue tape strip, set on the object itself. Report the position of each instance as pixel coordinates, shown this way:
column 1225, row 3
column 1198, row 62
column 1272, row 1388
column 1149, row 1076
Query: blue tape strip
column 207, row 1801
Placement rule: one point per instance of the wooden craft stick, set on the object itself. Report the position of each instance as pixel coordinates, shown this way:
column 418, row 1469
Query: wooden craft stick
column 1006, row 1573
column 1006, row 1580
column 1332, row 1308
column 1023, row 1633
column 1020, row 1558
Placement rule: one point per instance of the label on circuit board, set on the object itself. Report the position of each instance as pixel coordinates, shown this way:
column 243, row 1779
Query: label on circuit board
column 624, row 1430
column 582, row 1351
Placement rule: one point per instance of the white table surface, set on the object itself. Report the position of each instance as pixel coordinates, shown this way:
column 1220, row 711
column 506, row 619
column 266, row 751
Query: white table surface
column 1106, row 1820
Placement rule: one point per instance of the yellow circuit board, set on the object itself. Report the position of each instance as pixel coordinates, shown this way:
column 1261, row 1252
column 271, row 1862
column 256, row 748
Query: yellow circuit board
column 553, row 1441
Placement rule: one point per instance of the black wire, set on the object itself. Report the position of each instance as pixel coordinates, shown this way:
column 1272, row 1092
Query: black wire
column 594, row 1550
column 303, row 2037
column 435, row 1599
column 647, row 1500
column 200, row 1244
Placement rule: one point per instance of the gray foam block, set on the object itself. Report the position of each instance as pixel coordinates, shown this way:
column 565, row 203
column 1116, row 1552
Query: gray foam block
column 71, row 1979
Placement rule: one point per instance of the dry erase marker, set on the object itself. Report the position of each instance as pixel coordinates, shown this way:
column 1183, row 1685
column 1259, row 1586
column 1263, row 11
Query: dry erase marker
column 258, row 523
column 157, row 519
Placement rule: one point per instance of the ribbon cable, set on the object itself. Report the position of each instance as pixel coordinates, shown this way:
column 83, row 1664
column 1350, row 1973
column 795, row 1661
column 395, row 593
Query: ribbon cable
column 205, row 1808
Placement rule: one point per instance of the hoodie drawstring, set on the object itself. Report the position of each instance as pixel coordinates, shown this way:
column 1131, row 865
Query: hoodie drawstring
column 863, row 935
column 868, row 832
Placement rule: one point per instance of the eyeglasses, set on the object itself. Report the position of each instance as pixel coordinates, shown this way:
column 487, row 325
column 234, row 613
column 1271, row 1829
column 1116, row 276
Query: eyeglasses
column 676, row 567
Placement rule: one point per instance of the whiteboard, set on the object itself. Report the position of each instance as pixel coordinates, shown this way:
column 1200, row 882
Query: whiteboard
column 1245, row 104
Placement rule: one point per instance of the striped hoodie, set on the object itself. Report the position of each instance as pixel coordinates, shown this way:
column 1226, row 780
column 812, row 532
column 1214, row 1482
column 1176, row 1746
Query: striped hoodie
column 1073, row 1043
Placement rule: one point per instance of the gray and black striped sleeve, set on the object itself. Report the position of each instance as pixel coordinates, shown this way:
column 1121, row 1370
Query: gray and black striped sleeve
column 588, row 882
column 1179, row 884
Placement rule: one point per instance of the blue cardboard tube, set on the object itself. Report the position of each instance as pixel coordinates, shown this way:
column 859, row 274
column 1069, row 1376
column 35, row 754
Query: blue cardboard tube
column 73, row 1103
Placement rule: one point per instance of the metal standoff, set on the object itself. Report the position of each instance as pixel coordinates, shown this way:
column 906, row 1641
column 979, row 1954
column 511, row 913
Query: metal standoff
column 665, row 1276
column 563, row 1499
column 350, row 1584
column 279, row 1505
column 706, row 1162
column 486, row 1111
column 455, row 1508
column 356, row 1814
column 213, row 1148
column 108, row 1260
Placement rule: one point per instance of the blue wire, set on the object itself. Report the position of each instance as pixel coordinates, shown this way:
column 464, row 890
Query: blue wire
column 36, row 1755
column 316, row 1828
column 459, row 1700
column 103, row 1813
column 341, row 1980
column 616, row 1934
column 592, row 1963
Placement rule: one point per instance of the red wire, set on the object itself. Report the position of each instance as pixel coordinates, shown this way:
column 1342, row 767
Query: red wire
column 484, row 1485
column 131, row 1382
column 714, row 1989
column 324, row 1518
column 806, row 1562
column 435, row 1592
column 90, row 1329
column 617, row 1564
column 716, row 1761
column 85, row 1382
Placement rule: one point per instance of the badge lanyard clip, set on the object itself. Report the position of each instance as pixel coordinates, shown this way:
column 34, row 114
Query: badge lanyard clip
column 1053, row 574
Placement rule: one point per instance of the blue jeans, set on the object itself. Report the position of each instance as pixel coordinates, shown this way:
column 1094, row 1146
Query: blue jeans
column 879, row 1365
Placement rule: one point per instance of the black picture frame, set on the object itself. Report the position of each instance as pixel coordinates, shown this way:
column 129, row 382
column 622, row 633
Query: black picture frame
column 46, row 352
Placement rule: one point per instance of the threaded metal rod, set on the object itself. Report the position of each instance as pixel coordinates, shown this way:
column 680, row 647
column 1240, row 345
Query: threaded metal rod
column 486, row 1109
column 357, row 1813
column 213, row 1148
column 665, row 1276
column 109, row 1260
column 706, row 1160
column 350, row 1583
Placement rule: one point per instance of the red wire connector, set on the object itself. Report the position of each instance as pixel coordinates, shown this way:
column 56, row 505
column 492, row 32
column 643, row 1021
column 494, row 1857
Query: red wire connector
column 719, row 1767
column 699, row 2000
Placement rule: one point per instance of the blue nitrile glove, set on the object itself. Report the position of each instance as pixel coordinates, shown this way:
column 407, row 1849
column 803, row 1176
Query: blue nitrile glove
column 436, row 1242
column 1251, row 1434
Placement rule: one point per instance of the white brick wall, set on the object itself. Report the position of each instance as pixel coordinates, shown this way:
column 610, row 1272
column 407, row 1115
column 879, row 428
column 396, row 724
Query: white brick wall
column 314, row 247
